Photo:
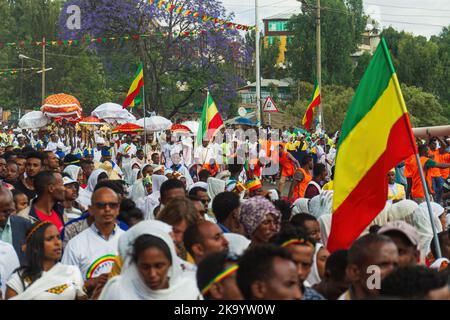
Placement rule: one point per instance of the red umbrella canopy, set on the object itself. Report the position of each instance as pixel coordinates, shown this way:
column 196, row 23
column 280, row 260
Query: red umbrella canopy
column 128, row 128
column 180, row 128
column 62, row 106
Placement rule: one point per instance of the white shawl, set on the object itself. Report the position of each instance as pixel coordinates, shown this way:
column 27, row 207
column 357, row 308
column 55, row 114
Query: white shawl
column 129, row 285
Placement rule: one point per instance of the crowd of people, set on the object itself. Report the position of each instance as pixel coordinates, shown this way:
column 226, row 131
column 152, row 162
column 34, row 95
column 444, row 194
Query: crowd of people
column 165, row 218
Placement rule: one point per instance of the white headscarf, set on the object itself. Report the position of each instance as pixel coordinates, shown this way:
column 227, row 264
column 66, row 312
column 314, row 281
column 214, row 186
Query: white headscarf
column 72, row 171
column 215, row 186
column 321, row 204
column 85, row 195
column 325, row 227
column 300, row 206
column 129, row 284
column 314, row 276
column 402, row 210
column 157, row 181
column 134, row 175
column 127, row 172
column 421, row 221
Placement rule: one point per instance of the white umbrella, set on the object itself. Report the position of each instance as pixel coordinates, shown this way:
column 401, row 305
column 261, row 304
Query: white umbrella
column 113, row 112
column 192, row 125
column 33, row 120
column 155, row 123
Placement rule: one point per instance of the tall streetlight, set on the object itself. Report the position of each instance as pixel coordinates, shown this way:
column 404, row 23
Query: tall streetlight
column 258, row 76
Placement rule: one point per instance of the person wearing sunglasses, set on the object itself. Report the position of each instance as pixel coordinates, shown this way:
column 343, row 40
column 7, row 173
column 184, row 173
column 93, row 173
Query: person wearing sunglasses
column 94, row 250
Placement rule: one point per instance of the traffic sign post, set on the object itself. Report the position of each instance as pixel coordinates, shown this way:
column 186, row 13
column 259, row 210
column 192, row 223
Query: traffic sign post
column 270, row 107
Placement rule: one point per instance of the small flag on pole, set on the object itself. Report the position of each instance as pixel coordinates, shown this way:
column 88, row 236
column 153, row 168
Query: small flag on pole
column 210, row 123
column 315, row 101
column 134, row 96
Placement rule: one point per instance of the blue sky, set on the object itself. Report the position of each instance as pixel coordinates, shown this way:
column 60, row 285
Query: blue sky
column 421, row 17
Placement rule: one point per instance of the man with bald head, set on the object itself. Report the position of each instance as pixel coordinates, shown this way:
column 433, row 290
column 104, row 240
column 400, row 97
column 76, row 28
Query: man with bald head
column 93, row 250
column 203, row 239
column 13, row 228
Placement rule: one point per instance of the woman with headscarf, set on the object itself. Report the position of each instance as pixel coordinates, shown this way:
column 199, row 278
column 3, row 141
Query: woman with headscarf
column 321, row 255
column 137, row 189
column 325, row 227
column 215, row 186
column 148, row 244
column 260, row 219
column 300, row 206
column 75, row 173
column 152, row 200
column 86, row 194
column 421, row 221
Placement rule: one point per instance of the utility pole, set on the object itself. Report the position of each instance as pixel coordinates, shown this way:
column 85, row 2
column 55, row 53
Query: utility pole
column 43, row 70
column 21, row 92
column 319, row 62
column 258, row 76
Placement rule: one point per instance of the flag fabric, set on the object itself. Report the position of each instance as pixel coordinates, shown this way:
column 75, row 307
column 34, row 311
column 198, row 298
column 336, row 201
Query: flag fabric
column 376, row 135
column 134, row 96
column 315, row 101
column 210, row 123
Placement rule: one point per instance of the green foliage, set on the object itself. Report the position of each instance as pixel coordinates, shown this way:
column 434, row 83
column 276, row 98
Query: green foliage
column 341, row 28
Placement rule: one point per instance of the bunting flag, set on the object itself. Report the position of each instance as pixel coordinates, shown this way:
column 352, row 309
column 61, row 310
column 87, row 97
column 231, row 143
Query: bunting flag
column 376, row 135
column 134, row 96
column 315, row 101
column 210, row 123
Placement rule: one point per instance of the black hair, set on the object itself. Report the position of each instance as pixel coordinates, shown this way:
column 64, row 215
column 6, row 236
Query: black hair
column 192, row 236
column 332, row 172
column 204, row 175
column 34, row 253
column 224, row 203
column 169, row 185
column 16, row 192
column 235, row 168
column 114, row 185
column 319, row 168
column 374, row 229
column 422, row 148
column 35, row 155
column 209, row 268
column 361, row 249
column 336, row 265
column 128, row 211
column 306, row 158
column 299, row 220
column 413, row 282
column 193, row 198
column 441, row 237
column 86, row 162
column 285, row 208
column 8, row 155
column 147, row 241
column 8, row 162
column 290, row 233
column 193, row 191
column 256, row 264
column 42, row 180
column 28, row 149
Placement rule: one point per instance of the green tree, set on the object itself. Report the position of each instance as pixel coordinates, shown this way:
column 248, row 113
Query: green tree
column 342, row 24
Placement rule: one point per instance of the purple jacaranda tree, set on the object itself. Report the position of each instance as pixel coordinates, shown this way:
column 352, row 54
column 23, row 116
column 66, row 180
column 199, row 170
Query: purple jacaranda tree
column 178, row 68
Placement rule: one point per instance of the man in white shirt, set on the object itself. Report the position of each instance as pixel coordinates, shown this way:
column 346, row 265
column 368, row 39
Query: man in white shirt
column 127, row 150
column 100, row 142
column 8, row 263
column 53, row 143
column 205, row 152
column 95, row 249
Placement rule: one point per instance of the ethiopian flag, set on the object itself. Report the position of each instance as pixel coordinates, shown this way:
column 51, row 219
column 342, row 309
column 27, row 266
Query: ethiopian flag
column 210, row 123
column 134, row 96
column 376, row 135
column 315, row 101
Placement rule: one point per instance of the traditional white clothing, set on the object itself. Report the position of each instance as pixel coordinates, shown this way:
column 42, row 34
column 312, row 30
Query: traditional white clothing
column 314, row 277
column 129, row 284
column 61, row 282
column 85, row 195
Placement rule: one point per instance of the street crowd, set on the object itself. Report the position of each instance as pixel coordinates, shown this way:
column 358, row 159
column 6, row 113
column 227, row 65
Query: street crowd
column 161, row 217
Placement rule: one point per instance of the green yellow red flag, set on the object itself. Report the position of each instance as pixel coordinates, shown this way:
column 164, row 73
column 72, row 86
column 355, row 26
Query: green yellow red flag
column 376, row 135
column 210, row 123
column 134, row 96
column 315, row 101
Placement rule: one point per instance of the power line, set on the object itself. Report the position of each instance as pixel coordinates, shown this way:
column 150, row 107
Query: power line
column 402, row 7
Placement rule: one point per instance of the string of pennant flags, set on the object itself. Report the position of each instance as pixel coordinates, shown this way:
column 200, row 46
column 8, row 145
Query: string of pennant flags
column 170, row 7
column 16, row 71
column 90, row 40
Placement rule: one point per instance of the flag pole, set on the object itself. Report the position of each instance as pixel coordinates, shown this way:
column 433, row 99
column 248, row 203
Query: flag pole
column 145, row 113
column 411, row 138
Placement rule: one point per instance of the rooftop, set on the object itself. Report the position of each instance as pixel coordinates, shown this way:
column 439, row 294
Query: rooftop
column 287, row 82
column 285, row 15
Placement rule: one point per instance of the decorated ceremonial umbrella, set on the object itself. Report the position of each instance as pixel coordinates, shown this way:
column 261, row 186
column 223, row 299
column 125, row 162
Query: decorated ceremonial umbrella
column 33, row 120
column 192, row 125
column 91, row 121
column 128, row 128
column 62, row 105
column 155, row 123
column 180, row 128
